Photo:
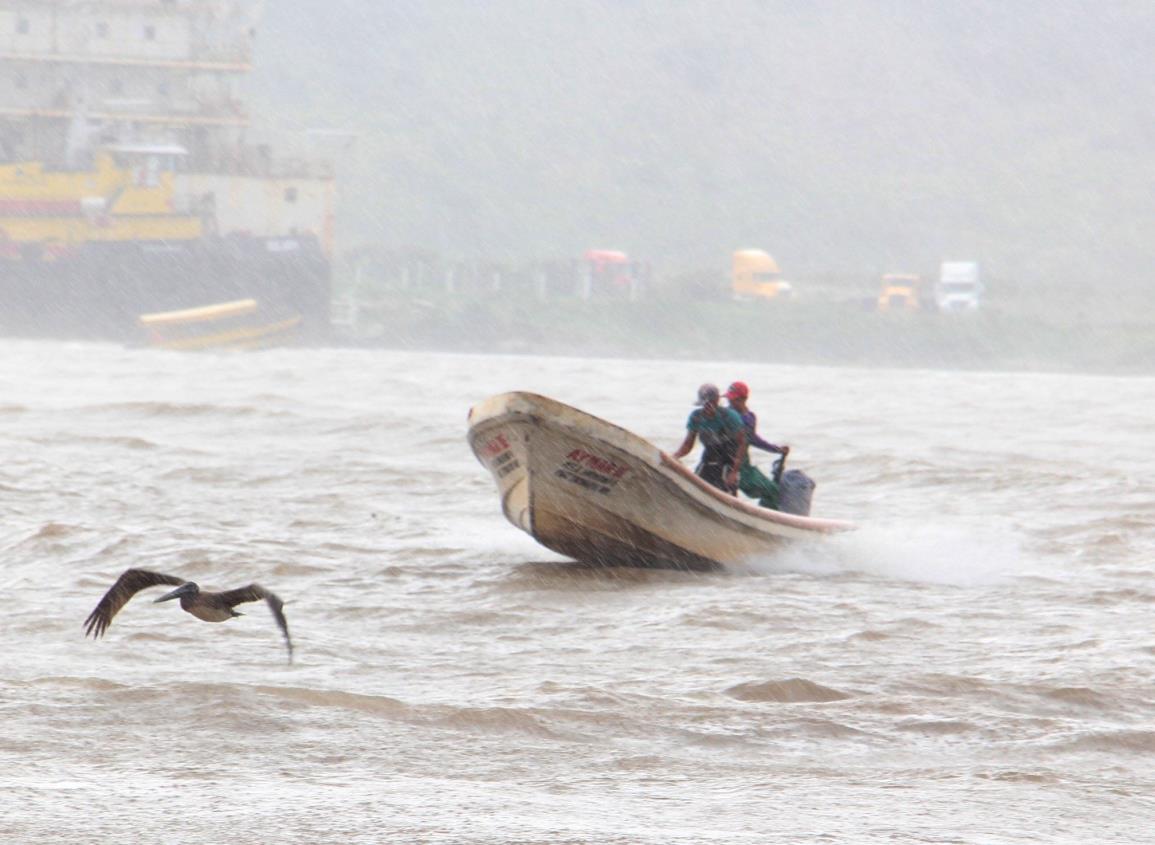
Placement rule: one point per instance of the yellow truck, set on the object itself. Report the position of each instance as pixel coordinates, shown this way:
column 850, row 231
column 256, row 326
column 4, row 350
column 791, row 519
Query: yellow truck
column 756, row 276
column 900, row 292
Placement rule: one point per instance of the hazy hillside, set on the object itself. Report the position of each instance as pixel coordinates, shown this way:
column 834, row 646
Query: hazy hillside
column 845, row 137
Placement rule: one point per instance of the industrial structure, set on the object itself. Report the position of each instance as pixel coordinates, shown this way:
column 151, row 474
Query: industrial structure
column 131, row 180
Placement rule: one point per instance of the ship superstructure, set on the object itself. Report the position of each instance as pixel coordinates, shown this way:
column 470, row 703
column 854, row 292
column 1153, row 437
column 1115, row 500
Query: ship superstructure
column 130, row 178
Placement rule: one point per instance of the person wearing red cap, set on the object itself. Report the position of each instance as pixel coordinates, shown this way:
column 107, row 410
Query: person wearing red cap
column 723, row 440
column 751, row 480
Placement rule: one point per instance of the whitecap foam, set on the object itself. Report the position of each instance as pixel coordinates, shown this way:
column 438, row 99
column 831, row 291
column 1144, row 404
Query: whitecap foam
column 928, row 552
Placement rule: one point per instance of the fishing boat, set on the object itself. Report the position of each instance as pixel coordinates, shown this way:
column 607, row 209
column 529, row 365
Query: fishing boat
column 592, row 491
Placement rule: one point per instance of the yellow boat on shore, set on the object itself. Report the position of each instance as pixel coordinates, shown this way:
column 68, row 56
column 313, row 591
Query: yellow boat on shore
column 224, row 325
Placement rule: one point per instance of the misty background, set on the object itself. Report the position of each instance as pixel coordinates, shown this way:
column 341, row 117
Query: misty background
column 847, row 138
column 836, row 135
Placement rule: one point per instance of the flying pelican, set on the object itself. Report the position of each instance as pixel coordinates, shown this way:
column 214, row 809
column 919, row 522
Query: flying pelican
column 210, row 607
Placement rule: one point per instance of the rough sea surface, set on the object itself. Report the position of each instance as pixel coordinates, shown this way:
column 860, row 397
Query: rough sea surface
column 976, row 664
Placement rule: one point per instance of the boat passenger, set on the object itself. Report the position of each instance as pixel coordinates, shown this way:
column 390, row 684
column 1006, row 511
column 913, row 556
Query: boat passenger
column 751, row 480
column 723, row 440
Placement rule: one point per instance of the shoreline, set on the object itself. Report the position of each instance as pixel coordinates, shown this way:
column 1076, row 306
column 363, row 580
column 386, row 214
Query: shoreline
column 822, row 334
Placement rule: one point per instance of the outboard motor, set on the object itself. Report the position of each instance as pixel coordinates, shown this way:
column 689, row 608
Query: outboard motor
column 795, row 490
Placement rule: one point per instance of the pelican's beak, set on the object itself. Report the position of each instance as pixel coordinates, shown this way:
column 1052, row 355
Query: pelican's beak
column 175, row 594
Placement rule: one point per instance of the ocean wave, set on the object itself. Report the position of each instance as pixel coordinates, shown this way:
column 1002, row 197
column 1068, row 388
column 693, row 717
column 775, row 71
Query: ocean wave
column 182, row 409
column 288, row 569
column 55, row 530
column 1121, row 595
column 936, row 727
column 84, row 683
column 501, row 720
column 49, row 537
column 790, row 691
column 482, row 720
column 1082, row 697
column 1126, row 741
column 1015, row 776
column 124, row 442
column 359, row 426
column 363, row 703
column 201, row 475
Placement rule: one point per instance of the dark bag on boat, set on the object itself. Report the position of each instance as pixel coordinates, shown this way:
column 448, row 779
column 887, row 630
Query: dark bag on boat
column 796, row 489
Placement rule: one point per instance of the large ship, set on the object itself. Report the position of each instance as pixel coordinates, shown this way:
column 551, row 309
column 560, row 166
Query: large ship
column 131, row 181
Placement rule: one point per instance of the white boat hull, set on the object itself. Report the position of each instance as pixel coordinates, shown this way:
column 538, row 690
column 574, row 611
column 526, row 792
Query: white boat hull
column 592, row 491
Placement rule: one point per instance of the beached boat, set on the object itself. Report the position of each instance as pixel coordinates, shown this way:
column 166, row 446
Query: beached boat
column 224, row 325
column 132, row 178
column 593, row 491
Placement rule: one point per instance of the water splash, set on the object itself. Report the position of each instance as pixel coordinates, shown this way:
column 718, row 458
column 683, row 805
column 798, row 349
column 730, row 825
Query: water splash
column 933, row 553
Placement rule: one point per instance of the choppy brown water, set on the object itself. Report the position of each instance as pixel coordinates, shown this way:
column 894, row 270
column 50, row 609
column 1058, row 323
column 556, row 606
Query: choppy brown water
column 974, row 665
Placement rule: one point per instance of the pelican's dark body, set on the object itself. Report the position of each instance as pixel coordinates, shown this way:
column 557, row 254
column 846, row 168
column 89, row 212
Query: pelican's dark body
column 206, row 606
column 211, row 607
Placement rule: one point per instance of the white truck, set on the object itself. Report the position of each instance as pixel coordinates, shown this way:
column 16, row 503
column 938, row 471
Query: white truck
column 959, row 287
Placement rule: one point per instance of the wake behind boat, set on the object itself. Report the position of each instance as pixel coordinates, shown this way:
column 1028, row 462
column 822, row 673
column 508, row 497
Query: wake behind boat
column 593, row 491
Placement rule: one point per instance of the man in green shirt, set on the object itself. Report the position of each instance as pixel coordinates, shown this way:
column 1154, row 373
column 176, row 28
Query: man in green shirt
column 723, row 440
column 751, row 480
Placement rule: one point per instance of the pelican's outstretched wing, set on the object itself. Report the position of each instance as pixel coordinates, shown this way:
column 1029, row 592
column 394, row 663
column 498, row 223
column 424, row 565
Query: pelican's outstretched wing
column 131, row 582
column 255, row 592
